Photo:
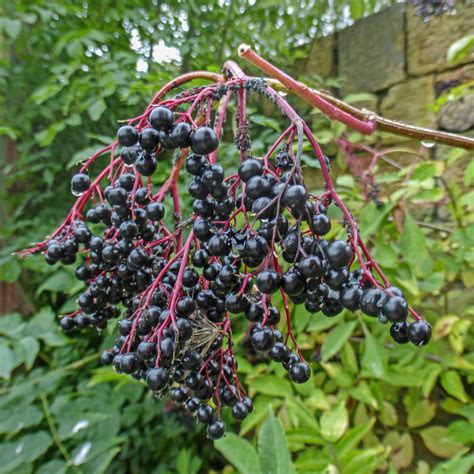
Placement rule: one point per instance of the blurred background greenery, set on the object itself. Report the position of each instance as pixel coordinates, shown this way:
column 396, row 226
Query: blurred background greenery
column 69, row 70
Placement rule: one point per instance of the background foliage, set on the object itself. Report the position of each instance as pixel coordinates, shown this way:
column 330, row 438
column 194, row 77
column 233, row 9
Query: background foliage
column 69, row 71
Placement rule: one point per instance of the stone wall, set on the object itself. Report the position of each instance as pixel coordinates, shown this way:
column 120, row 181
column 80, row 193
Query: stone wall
column 400, row 59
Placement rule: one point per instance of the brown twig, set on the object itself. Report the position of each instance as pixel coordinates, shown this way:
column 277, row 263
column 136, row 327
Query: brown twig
column 320, row 100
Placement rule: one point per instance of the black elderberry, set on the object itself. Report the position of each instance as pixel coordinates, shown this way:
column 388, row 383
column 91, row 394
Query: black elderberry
column 130, row 155
column 395, row 309
column 142, row 196
column 370, row 301
column 146, row 165
column 321, row 224
column 295, row 197
column 249, row 168
column 193, row 404
column 149, row 138
column 240, row 411
column 129, row 363
column 219, row 245
column 204, row 140
column 419, row 332
column 399, row 332
column 117, row 196
column 127, row 135
column 268, row 281
column 157, row 378
column 67, row 323
column 339, row 253
column 80, row 183
column 146, row 350
column 257, row 186
column 262, row 339
column 200, row 258
column 179, row 135
column 178, row 394
column 205, row 414
column 292, row 282
column 350, row 297
column 300, row 372
column 311, row 266
column 279, row 352
column 161, row 118
column 195, row 164
column 290, row 361
column 335, row 279
column 106, row 358
column 254, row 312
column 127, row 181
column 216, row 430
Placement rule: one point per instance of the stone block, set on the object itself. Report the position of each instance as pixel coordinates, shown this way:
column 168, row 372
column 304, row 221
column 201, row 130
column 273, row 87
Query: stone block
column 371, row 53
column 321, row 59
column 410, row 102
column 428, row 42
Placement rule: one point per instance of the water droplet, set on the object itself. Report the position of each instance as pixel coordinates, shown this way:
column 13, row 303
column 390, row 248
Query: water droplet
column 428, row 144
column 282, row 93
column 75, row 193
column 81, row 455
column 128, row 165
column 19, row 448
column 80, row 425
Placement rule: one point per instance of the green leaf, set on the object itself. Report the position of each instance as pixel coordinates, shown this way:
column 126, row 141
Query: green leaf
column 461, row 432
column 23, row 450
column 28, row 348
column 373, row 359
column 412, row 241
column 357, row 9
column 59, row 281
column 7, row 360
column 468, row 178
column 11, row 325
column 46, row 137
column 10, row 270
column 11, row 422
column 42, row 323
column 272, row 449
column 240, row 453
column 452, row 383
column 97, row 109
column 334, row 341
column 11, row 27
column 460, row 49
column 421, row 413
column 272, row 385
column 436, row 440
column 334, row 422
column 459, row 465
column 353, row 437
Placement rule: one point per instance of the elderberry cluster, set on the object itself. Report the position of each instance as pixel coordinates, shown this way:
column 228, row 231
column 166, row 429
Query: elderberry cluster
column 175, row 287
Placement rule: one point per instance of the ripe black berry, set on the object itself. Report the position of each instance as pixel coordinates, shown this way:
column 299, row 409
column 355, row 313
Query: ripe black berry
column 80, row 183
column 161, row 118
column 127, row 135
column 262, row 339
column 399, row 332
column 268, row 281
column 204, row 140
column 157, row 378
column 300, row 372
column 419, row 332
column 216, row 430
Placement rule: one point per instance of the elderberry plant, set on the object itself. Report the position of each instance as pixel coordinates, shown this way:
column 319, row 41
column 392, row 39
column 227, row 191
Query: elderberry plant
column 252, row 234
